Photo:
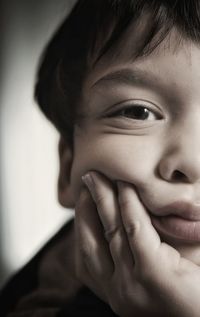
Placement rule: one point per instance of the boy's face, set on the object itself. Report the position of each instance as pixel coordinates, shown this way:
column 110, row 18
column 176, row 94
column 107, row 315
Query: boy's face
column 142, row 125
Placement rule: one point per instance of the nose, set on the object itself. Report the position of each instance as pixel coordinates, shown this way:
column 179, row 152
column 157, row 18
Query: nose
column 181, row 160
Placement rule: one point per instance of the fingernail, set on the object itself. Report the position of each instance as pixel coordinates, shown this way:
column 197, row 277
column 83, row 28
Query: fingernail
column 88, row 181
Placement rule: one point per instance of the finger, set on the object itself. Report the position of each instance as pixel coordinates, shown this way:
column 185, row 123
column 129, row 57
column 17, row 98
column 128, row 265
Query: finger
column 105, row 197
column 102, row 191
column 143, row 239
column 92, row 246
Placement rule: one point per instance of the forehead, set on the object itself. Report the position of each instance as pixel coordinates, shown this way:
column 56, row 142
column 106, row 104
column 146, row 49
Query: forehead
column 170, row 72
column 171, row 54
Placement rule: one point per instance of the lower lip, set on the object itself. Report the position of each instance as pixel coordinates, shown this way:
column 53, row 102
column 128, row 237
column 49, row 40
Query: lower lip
column 177, row 227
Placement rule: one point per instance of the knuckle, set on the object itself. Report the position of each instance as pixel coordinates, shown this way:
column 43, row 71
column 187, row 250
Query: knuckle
column 132, row 228
column 124, row 202
column 110, row 234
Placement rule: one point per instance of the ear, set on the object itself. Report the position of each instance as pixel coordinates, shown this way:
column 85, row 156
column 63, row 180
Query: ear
column 65, row 196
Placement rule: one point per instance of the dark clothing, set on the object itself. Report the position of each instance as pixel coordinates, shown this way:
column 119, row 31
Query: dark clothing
column 47, row 285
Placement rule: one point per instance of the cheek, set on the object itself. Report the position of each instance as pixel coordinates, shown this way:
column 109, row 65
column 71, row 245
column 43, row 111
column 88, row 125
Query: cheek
column 119, row 157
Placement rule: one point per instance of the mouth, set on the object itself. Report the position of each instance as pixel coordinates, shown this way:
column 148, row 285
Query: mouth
column 179, row 221
column 177, row 228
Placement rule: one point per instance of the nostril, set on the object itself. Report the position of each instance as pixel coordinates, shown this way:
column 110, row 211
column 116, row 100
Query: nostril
column 179, row 176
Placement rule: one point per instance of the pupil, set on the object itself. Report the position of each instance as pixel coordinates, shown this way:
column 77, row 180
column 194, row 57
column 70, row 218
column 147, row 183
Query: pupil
column 138, row 113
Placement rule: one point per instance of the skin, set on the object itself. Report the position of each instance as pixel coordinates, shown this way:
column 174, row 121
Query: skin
column 139, row 165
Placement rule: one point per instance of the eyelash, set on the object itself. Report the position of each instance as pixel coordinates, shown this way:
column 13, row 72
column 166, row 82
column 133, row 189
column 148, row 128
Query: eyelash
column 136, row 107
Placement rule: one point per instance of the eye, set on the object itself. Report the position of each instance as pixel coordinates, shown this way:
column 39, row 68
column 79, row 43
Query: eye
column 137, row 112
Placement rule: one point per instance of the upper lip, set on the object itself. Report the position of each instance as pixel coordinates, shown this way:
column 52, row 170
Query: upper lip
column 183, row 209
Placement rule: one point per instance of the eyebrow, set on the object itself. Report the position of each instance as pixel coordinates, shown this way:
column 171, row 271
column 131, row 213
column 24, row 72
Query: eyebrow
column 136, row 77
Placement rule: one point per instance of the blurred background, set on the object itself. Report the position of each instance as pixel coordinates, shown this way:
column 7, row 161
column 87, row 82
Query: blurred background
column 29, row 212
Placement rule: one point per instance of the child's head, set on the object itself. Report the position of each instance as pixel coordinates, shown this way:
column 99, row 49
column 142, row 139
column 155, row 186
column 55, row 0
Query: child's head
column 120, row 81
column 93, row 30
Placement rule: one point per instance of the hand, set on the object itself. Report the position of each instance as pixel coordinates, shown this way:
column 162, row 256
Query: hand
column 121, row 258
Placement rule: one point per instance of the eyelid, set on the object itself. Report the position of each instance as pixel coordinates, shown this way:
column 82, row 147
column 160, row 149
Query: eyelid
column 134, row 102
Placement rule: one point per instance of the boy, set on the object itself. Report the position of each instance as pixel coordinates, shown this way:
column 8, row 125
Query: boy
column 120, row 81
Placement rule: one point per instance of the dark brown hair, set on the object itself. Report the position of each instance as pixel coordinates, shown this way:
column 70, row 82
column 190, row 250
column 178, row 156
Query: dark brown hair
column 64, row 63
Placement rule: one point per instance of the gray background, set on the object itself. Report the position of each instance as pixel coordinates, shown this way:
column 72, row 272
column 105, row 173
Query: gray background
column 29, row 212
